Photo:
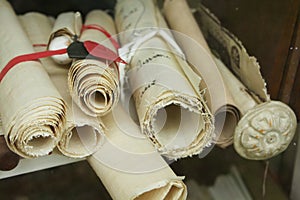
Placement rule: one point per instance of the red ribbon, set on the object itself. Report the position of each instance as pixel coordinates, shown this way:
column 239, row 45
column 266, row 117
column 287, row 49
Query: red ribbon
column 97, row 49
column 93, row 48
column 29, row 57
column 102, row 30
column 101, row 51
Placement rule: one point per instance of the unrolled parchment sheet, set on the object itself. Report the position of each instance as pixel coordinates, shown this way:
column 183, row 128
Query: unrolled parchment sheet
column 174, row 117
column 266, row 127
column 32, row 110
column 129, row 166
column 66, row 29
column 232, row 53
column 83, row 134
column 94, row 84
column 219, row 99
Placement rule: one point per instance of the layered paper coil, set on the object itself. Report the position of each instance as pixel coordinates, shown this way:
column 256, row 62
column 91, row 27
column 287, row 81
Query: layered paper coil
column 129, row 166
column 94, row 84
column 82, row 134
column 32, row 110
column 171, row 114
column 266, row 127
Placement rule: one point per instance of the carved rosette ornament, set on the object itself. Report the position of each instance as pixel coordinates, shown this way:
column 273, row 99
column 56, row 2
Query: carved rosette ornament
column 265, row 131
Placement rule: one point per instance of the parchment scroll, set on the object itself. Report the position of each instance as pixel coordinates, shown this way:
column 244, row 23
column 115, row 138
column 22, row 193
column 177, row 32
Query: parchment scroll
column 32, row 110
column 266, row 127
column 94, row 84
column 82, row 135
column 129, row 166
column 219, row 99
column 174, row 117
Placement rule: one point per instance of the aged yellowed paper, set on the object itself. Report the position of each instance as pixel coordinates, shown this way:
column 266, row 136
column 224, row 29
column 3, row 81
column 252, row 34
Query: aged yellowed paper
column 82, row 134
column 94, row 84
column 32, row 110
column 174, row 117
column 130, row 167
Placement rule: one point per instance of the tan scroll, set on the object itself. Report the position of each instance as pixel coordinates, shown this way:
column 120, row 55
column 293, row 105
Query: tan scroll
column 191, row 40
column 32, row 110
column 266, row 127
column 129, row 166
column 83, row 134
column 94, row 84
column 174, row 117
column 66, row 29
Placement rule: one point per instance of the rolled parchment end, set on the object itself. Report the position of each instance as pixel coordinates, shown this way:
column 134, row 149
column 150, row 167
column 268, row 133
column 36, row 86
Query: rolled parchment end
column 172, row 114
column 81, row 140
column 226, row 119
column 160, row 184
column 178, row 125
column 33, row 114
column 129, row 166
column 94, row 84
column 194, row 45
column 8, row 159
column 172, row 189
column 37, row 130
column 82, row 134
column 241, row 101
column 265, row 131
column 66, row 28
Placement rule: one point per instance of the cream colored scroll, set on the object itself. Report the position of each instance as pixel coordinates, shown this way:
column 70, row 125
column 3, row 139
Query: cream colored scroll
column 32, row 110
column 174, row 117
column 66, row 29
column 94, row 84
column 128, row 165
column 83, row 135
column 191, row 40
column 266, row 127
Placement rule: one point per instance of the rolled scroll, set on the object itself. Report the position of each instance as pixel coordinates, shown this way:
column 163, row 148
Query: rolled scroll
column 94, row 84
column 128, row 165
column 66, row 29
column 174, row 117
column 191, row 40
column 32, row 110
column 83, row 134
column 266, row 127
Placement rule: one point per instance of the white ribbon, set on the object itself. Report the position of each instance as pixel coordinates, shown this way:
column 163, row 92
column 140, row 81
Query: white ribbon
column 127, row 51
